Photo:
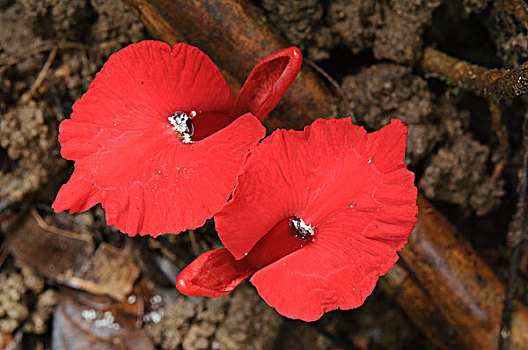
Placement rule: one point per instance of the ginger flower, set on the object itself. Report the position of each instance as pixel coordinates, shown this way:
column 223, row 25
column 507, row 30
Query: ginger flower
column 158, row 138
column 316, row 217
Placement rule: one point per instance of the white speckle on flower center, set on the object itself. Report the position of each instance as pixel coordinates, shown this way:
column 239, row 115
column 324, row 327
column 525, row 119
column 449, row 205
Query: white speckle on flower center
column 302, row 231
column 182, row 124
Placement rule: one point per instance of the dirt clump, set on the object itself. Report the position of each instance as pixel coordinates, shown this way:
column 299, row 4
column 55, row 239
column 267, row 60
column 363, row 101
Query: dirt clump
column 400, row 38
column 28, row 135
column 115, row 21
column 24, row 299
column 393, row 30
column 507, row 29
column 355, row 22
column 59, row 19
column 301, row 23
column 240, row 320
column 383, row 91
column 459, row 171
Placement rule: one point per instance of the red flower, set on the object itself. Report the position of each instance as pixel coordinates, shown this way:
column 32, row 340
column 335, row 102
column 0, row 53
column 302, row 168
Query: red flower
column 317, row 216
column 158, row 139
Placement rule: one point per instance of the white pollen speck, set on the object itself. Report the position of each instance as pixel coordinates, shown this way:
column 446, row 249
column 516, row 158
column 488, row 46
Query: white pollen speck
column 159, row 171
column 302, row 227
column 370, row 160
column 245, row 254
column 181, row 123
column 193, row 114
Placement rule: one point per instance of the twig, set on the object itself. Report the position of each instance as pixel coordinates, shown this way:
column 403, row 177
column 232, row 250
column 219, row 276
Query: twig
column 336, row 86
column 43, row 225
column 38, row 47
column 518, row 232
column 194, row 244
column 501, row 132
column 497, row 84
column 40, row 78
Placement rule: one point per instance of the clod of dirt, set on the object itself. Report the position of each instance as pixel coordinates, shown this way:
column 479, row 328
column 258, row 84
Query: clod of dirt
column 59, row 19
column 458, row 173
column 13, row 306
column 383, row 91
column 507, row 29
column 45, row 306
column 355, row 22
column 115, row 21
column 19, row 286
column 16, row 37
column 30, row 144
column 300, row 22
column 249, row 323
column 237, row 321
column 400, row 38
column 15, row 33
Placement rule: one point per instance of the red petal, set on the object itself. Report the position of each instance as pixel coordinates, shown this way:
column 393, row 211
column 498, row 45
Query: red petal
column 338, row 179
column 386, row 147
column 138, row 88
column 291, row 173
column 128, row 158
column 212, row 274
column 268, row 82
column 151, row 183
column 339, row 270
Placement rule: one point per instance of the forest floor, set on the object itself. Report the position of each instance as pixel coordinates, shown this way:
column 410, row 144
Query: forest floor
column 465, row 149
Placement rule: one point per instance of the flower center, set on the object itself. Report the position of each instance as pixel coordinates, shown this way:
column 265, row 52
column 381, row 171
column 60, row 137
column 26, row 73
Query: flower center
column 183, row 125
column 299, row 229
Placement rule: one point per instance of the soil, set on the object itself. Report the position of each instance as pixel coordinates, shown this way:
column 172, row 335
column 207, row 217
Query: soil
column 371, row 49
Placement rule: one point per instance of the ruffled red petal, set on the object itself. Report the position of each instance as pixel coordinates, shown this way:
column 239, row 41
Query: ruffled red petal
column 336, row 177
column 151, row 184
column 129, row 159
column 293, row 173
column 268, row 82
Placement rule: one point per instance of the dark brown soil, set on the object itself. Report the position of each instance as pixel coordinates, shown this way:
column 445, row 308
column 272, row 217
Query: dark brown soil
column 372, row 49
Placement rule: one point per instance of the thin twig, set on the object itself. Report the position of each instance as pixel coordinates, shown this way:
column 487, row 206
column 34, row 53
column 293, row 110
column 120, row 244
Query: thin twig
column 194, row 244
column 40, row 78
column 334, row 83
column 499, row 128
column 518, row 232
column 43, row 225
column 36, row 48
column 497, row 84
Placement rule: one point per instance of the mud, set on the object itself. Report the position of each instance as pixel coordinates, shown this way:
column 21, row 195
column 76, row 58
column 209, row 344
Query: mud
column 393, row 32
column 28, row 134
column 371, row 49
column 24, row 300
column 238, row 321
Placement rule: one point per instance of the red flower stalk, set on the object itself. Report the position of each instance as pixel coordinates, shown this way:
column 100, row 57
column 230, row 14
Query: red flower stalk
column 158, row 139
column 316, row 216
